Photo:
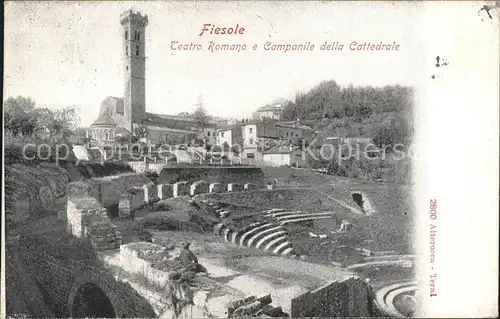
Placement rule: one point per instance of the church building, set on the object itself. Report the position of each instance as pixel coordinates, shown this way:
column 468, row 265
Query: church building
column 124, row 115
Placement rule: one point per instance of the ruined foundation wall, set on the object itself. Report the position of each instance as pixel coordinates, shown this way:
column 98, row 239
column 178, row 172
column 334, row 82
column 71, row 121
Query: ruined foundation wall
column 170, row 175
column 301, row 199
column 347, row 298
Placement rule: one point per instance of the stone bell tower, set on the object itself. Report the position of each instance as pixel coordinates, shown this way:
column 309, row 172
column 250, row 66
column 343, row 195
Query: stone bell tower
column 134, row 61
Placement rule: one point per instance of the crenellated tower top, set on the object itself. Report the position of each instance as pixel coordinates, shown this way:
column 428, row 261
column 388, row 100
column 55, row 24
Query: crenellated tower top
column 133, row 25
column 134, row 17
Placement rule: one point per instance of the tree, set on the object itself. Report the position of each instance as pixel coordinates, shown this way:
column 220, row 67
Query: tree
column 200, row 114
column 23, row 118
column 65, row 121
column 18, row 115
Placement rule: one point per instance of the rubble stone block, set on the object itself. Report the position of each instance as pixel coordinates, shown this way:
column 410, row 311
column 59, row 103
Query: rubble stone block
column 266, row 299
column 137, row 198
column 79, row 211
column 270, row 186
column 199, row 187
column 235, row 187
column 249, row 309
column 111, row 187
column 150, row 193
column 165, row 191
column 250, row 186
column 124, row 205
column 181, row 189
column 272, row 311
column 216, row 188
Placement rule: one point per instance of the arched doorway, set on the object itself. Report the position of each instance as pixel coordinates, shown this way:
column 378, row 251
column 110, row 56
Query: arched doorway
column 91, row 302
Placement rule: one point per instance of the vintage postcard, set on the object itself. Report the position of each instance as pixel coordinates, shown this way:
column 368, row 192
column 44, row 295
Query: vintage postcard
column 225, row 159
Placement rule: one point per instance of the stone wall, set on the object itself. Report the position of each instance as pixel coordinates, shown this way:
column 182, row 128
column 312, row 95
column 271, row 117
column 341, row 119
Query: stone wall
column 106, row 190
column 212, row 174
column 199, row 187
column 165, row 191
column 150, row 193
column 62, row 279
column 111, row 187
column 87, row 218
column 216, row 188
column 81, row 212
column 38, row 190
column 235, row 187
column 181, row 189
column 297, row 199
column 254, row 306
column 347, row 298
column 136, row 258
column 130, row 201
column 250, row 186
column 34, row 191
column 141, row 167
column 129, row 192
column 211, row 298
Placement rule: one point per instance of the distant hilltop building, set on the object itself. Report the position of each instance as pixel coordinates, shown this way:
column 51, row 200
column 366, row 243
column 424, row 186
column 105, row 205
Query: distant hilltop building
column 121, row 115
column 269, row 111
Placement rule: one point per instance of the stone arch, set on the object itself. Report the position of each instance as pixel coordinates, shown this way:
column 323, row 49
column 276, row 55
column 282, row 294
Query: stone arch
column 92, row 285
column 123, row 299
column 91, row 301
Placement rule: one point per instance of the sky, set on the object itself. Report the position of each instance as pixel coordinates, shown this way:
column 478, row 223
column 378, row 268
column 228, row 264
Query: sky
column 71, row 52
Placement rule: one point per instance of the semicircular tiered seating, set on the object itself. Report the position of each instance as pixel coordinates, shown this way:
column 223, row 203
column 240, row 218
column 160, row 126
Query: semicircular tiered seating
column 271, row 237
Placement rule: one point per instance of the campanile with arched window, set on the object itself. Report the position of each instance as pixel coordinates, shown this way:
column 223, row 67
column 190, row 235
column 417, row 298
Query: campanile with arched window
column 134, row 60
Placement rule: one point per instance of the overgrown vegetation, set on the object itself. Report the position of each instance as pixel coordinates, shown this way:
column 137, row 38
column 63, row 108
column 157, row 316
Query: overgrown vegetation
column 381, row 114
column 65, row 248
column 167, row 223
column 27, row 124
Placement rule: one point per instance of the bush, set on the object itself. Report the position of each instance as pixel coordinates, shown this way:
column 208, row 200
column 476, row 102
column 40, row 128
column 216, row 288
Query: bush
column 16, row 150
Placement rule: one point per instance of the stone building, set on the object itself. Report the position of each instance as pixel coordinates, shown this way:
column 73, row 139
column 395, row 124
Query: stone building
column 284, row 155
column 121, row 115
column 258, row 135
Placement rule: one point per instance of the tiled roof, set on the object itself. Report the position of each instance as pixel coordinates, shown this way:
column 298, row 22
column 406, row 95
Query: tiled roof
column 171, row 121
column 105, row 119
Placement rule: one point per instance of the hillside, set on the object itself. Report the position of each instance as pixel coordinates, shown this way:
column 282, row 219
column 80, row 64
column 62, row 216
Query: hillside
column 38, row 190
column 381, row 113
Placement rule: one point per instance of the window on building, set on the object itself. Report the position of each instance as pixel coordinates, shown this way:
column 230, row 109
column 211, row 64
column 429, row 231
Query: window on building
column 287, row 134
column 126, row 67
column 135, row 34
column 250, row 130
column 139, row 35
column 250, row 155
column 137, row 50
column 297, row 134
column 208, row 133
column 126, row 35
column 222, row 134
column 126, row 50
column 250, row 141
